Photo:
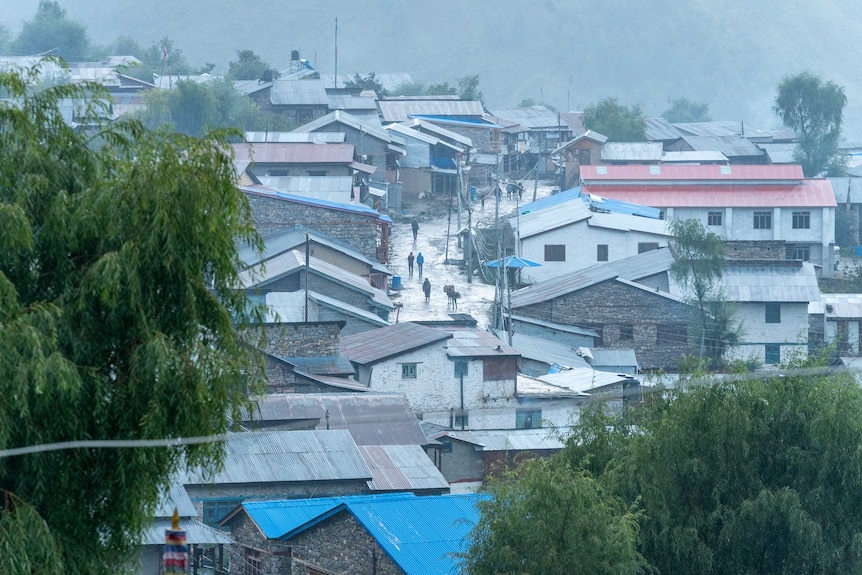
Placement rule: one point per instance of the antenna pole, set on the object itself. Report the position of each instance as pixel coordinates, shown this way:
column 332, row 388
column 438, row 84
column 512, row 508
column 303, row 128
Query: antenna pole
column 336, row 51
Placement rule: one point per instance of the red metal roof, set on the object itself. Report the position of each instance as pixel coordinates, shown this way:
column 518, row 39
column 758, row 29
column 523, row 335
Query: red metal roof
column 294, row 153
column 701, row 172
column 809, row 193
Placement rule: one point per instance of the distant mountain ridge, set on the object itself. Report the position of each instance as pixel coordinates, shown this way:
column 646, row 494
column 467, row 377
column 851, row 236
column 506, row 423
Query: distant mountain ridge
column 566, row 53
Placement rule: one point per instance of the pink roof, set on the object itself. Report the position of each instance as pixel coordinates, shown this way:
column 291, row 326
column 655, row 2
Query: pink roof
column 669, row 172
column 808, row 193
column 294, row 153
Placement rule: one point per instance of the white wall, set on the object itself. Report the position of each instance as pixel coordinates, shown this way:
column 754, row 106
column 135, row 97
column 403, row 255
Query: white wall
column 756, row 333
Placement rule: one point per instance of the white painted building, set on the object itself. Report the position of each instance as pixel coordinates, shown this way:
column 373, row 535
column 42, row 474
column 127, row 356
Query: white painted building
column 565, row 235
column 842, row 313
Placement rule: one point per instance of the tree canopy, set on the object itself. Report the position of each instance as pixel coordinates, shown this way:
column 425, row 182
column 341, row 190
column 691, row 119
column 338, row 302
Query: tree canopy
column 746, row 475
column 248, row 66
column 52, row 32
column 468, row 88
column 684, row 110
column 549, row 519
column 117, row 311
column 616, row 121
column 814, row 109
column 369, row 82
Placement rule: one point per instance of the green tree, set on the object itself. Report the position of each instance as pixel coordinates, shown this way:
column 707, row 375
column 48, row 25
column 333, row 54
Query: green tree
column 443, row 89
column 549, row 519
column 698, row 266
column 248, row 66
column 117, row 311
column 616, row 121
column 684, row 110
column 161, row 58
column 468, row 88
column 51, row 32
column 409, row 89
column 815, row 111
column 740, row 475
column 369, row 82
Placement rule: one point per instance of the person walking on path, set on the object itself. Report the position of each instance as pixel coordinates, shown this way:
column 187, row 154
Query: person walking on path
column 415, row 226
column 426, row 287
column 420, row 259
column 410, row 259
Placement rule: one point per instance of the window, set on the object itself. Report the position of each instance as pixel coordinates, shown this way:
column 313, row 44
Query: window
column 627, row 332
column 799, row 253
column 252, row 562
column 214, row 511
column 772, row 354
column 762, row 220
column 801, row 220
column 318, row 173
column 461, row 367
column 555, row 253
column 528, row 419
column 773, row 312
column 713, row 219
column 671, row 334
column 584, row 157
column 462, row 420
column 408, row 371
column 647, row 247
column 602, row 253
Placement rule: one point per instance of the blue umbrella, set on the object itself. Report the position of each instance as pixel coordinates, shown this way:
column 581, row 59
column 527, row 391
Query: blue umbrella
column 512, row 262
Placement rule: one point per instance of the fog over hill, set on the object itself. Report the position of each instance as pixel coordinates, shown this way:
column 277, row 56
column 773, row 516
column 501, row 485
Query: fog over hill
column 566, row 53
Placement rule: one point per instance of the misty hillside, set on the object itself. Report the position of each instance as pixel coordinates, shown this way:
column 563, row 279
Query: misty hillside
column 566, row 53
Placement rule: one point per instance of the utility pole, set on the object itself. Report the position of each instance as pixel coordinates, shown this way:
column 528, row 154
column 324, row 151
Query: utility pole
column 468, row 249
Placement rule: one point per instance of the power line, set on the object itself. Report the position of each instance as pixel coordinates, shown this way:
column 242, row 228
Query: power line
column 111, row 444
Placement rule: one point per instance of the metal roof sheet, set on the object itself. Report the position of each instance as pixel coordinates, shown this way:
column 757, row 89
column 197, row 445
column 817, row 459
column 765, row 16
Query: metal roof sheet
column 371, row 418
column 588, row 135
column 632, row 268
column 810, row 193
column 342, row 117
column 632, row 152
column 659, row 129
column 296, row 137
column 694, row 157
column 552, row 200
column 466, row 343
column 352, row 208
column 401, row 468
column 602, row 204
column 351, row 103
column 847, row 190
column 396, row 110
column 439, row 131
column 730, row 146
column 546, row 350
column 510, row 439
column 177, row 498
column 293, row 153
column 539, row 222
column 385, row 342
column 533, row 117
column 722, row 128
column 613, row 357
column 556, row 326
column 779, row 153
column 197, row 533
column 304, row 92
column 328, row 188
column 776, row 174
column 629, row 223
column 286, row 456
column 843, row 305
column 770, row 281
column 585, row 380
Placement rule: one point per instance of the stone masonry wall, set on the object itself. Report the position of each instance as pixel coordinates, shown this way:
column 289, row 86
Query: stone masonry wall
column 272, row 214
column 751, row 250
column 341, row 545
column 313, row 339
column 608, row 305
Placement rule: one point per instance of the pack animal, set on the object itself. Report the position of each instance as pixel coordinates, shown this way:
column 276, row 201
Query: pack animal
column 453, row 296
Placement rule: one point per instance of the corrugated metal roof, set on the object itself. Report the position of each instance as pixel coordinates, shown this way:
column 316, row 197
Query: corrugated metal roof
column 296, row 137
column 352, row 103
column 843, row 305
column 289, row 307
column 533, row 117
column 613, row 357
column 556, row 326
column 293, row 153
column 588, row 135
column 776, row 174
column 659, row 129
column 305, row 92
column 539, row 222
column 632, row 268
column 467, row 343
column 770, row 281
column 347, row 309
column 719, row 128
column 401, row 468
column 780, row 153
column 600, row 203
column 546, row 350
column 585, row 380
column 175, row 498
column 286, row 456
column 395, row 110
column 262, row 274
column 552, row 200
column 247, row 87
column 629, row 223
column 843, row 187
column 340, row 116
column 632, row 152
column 730, row 146
column 197, row 533
column 354, row 208
column 510, row 439
column 329, row 188
column 810, row 193
column 371, row 418
column 694, row 157
column 385, row 342
column 439, row 131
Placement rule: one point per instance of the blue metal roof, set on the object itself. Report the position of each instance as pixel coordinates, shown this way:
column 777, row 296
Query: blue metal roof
column 552, row 200
column 601, row 203
column 420, row 534
column 463, row 120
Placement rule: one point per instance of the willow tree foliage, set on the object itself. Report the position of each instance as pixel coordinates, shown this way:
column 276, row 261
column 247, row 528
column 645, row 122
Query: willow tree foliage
column 814, row 109
column 117, row 314
column 616, row 121
column 759, row 475
column 549, row 519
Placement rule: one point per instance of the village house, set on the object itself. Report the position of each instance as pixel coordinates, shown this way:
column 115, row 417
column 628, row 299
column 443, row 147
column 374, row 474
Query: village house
column 537, row 132
column 761, row 212
column 581, row 150
column 354, row 224
column 393, row 534
column 571, row 230
column 840, row 321
column 419, row 361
